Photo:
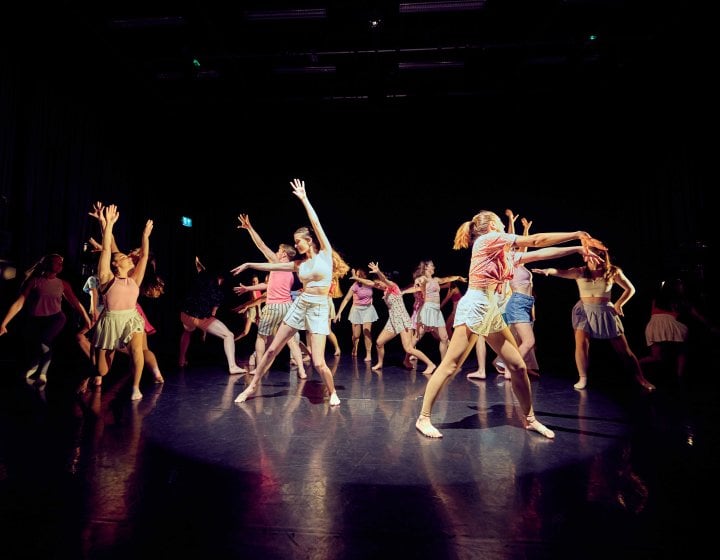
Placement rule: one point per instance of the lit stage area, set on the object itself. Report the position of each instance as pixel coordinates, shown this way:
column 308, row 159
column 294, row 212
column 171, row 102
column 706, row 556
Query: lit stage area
column 187, row 471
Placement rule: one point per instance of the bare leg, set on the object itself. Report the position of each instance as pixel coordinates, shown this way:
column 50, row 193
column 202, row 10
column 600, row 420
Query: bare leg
column 407, row 341
column 481, row 353
column 318, row 353
column 384, row 337
column 185, row 339
column 582, row 349
column 621, row 346
column 367, row 337
column 296, row 354
column 137, row 363
column 218, row 328
column 462, row 338
column 506, row 348
column 280, row 339
column 356, row 332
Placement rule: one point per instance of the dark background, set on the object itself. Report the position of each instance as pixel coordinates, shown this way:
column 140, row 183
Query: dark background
column 577, row 114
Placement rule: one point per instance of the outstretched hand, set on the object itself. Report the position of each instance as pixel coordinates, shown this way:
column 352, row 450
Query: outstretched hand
column 244, row 220
column 588, row 240
column 238, row 269
column 298, row 187
column 374, row 267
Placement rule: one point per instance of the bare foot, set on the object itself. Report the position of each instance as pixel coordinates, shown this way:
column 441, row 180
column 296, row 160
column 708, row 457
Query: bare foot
column 334, row 399
column 82, row 388
column 368, row 359
column 376, row 367
column 476, row 375
column 302, row 374
column 236, row 370
column 97, row 381
column 425, row 427
column 408, row 364
column 431, row 368
column 337, row 352
column 158, row 378
column 581, row 384
column 136, row 395
column 242, row 397
column 533, row 424
column 645, row 384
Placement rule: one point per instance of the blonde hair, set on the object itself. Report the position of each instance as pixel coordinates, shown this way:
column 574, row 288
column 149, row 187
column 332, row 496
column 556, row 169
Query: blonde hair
column 469, row 231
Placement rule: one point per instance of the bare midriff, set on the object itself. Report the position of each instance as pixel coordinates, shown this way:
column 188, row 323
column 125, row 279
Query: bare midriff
column 596, row 300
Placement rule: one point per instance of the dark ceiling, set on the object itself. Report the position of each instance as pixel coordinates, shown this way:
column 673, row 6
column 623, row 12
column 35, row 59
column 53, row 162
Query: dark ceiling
column 360, row 52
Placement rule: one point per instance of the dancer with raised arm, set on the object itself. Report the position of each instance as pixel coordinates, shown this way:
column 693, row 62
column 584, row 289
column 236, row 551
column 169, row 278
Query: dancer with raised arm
column 310, row 311
column 478, row 313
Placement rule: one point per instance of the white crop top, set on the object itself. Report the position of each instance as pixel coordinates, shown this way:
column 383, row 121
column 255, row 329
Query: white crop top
column 317, row 271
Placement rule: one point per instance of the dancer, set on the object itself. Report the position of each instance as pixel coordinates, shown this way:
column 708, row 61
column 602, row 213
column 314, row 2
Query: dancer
column 398, row 322
column 120, row 324
column 153, row 286
column 250, row 310
column 310, row 310
column 667, row 332
column 362, row 313
column 520, row 308
column 478, row 312
column 44, row 292
column 430, row 317
column 278, row 298
column 198, row 312
column 596, row 316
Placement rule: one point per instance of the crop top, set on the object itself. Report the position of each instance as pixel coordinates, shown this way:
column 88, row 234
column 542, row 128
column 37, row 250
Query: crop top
column 522, row 279
column 596, row 287
column 317, row 271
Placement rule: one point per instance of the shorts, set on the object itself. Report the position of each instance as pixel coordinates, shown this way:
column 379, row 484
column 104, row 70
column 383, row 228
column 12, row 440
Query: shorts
column 479, row 311
column 519, row 308
column 191, row 323
column 309, row 313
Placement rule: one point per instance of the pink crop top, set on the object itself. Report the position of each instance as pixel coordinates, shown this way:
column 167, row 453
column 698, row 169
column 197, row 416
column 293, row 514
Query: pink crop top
column 522, row 277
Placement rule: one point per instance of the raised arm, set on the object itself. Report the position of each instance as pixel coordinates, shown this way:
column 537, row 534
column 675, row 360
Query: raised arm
column 138, row 273
column 245, row 224
column 104, row 272
column 298, row 187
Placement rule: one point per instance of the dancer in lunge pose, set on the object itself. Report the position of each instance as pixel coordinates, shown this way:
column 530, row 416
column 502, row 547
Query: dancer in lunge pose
column 478, row 313
column 310, row 311
column 595, row 316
